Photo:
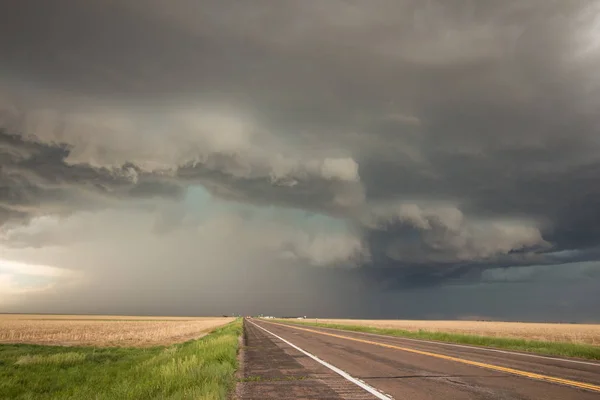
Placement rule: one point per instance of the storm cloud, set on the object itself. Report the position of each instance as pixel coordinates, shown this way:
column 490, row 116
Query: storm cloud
column 434, row 147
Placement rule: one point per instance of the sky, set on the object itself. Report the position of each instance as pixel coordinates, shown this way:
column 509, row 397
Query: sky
column 381, row 159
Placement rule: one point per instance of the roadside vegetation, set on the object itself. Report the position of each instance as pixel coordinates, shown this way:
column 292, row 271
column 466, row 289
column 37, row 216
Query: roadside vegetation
column 197, row 369
column 538, row 331
column 549, row 348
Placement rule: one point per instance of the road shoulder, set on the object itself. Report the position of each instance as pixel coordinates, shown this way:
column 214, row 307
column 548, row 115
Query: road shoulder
column 273, row 370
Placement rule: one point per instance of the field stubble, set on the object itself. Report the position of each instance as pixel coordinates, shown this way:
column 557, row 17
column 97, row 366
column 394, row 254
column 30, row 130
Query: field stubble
column 104, row 330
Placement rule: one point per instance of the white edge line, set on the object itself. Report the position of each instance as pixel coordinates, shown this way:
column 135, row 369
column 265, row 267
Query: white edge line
column 338, row 371
column 451, row 344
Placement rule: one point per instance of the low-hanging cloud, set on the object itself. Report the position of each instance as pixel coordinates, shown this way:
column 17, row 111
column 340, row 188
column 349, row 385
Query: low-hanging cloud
column 452, row 141
column 442, row 234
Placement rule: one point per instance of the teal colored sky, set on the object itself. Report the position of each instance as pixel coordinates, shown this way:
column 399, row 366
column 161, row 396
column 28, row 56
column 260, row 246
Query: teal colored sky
column 199, row 202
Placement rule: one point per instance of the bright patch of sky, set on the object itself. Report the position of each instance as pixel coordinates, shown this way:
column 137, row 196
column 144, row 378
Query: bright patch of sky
column 18, row 277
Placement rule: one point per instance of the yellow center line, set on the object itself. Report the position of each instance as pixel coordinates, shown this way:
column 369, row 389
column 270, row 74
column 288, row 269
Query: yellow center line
column 532, row 375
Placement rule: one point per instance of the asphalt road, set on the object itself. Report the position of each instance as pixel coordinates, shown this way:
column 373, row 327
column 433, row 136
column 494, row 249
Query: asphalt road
column 279, row 363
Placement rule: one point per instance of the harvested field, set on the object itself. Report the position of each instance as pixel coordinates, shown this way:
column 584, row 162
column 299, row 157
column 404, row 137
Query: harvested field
column 84, row 330
column 98, row 317
column 566, row 333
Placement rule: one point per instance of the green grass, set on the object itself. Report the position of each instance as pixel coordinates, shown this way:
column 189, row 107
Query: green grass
column 560, row 349
column 198, row 369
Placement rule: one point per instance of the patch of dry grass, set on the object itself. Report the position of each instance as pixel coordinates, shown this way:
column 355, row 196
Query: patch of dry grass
column 565, row 333
column 97, row 317
column 53, row 359
column 87, row 330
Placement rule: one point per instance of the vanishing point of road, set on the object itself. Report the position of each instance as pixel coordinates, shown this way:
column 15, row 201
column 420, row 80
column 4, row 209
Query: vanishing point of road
column 287, row 361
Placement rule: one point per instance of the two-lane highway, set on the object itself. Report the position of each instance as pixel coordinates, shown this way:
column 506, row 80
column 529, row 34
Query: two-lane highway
column 400, row 368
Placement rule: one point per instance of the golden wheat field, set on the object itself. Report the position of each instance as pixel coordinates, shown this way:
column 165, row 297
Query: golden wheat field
column 571, row 333
column 103, row 330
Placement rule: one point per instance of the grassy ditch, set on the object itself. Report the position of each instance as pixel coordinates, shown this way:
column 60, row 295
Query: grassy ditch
column 548, row 348
column 197, row 369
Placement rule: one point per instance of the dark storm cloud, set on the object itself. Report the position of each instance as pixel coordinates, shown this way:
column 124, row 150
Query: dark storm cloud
column 36, row 180
column 305, row 187
column 455, row 136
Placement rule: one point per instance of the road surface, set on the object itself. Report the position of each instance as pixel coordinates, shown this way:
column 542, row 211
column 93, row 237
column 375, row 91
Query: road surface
column 286, row 361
